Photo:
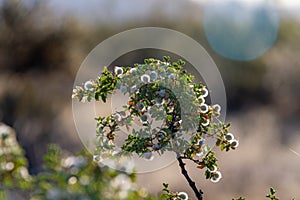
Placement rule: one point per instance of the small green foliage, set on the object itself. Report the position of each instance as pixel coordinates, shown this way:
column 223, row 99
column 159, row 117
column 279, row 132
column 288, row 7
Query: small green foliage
column 240, row 198
column 105, row 84
column 272, row 194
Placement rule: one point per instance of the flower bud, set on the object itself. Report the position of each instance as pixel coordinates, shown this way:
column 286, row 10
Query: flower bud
column 171, row 76
column 234, row 143
column 118, row 70
column 183, row 195
column 118, row 117
column 204, row 92
column 206, row 122
column 156, row 147
column 217, row 108
column 216, row 176
column 203, row 108
column 229, row 137
column 132, row 70
column 88, row 85
column 153, row 75
column 145, row 78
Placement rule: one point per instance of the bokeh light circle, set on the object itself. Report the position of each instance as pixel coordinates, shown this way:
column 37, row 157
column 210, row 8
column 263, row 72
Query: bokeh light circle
column 241, row 31
column 141, row 38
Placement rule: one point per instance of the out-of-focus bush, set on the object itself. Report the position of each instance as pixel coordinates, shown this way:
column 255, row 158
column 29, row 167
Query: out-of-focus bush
column 64, row 176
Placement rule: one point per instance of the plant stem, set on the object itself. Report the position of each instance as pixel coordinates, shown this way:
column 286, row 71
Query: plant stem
column 198, row 193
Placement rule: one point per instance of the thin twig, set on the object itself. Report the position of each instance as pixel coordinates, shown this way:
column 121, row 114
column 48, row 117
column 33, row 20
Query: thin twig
column 198, row 193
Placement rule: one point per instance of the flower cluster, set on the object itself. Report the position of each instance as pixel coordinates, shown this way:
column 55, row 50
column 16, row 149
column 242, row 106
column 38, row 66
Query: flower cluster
column 160, row 92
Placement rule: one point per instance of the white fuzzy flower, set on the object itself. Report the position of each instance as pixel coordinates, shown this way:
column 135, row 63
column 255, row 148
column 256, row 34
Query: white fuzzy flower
column 148, row 156
column 121, row 182
column 171, row 76
column 155, row 147
column 183, row 195
column 9, row 166
column 203, row 108
column 72, row 180
column 145, row 78
column 4, row 130
column 234, row 143
column 68, row 162
column 214, row 170
column 204, row 92
column 201, row 99
column 24, row 172
column 118, row 70
column 229, row 137
column 206, row 122
column 123, row 89
column 98, row 158
column 73, row 161
column 217, row 108
column 118, row 117
column 132, row 70
column 89, row 85
column 216, row 177
column 153, row 75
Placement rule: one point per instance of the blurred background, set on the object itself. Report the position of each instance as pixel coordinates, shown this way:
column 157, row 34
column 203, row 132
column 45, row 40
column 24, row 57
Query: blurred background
column 43, row 43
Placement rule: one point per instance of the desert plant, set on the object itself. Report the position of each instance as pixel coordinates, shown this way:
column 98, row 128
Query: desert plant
column 159, row 91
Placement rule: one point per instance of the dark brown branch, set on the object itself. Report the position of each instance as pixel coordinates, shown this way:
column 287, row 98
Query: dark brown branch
column 198, row 193
column 195, row 161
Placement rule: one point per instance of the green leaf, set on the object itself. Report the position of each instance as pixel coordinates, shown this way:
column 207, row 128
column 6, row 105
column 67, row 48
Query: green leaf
column 169, row 117
column 103, row 97
column 166, row 58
